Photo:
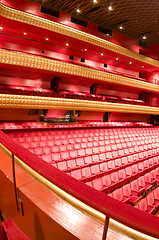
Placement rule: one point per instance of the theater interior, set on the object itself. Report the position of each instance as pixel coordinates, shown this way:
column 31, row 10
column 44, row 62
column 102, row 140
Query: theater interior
column 79, row 120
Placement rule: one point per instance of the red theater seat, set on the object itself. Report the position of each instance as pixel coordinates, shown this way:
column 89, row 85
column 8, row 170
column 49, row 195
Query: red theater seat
column 38, row 151
column 13, row 232
column 106, row 180
column 111, row 165
column 149, row 179
column 71, row 164
column 115, row 181
column 118, row 194
column 76, row 174
column 62, row 165
column 142, row 184
column 46, row 150
column 55, row 156
column 156, row 195
column 152, row 205
column 2, row 233
column 122, row 174
column 128, row 193
column 95, row 169
column 136, row 189
column 103, row 167
column 86, row 172
column 80, row 161
column 142, row 205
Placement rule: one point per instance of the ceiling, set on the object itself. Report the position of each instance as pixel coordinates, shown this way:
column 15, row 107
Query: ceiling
column 138, row 18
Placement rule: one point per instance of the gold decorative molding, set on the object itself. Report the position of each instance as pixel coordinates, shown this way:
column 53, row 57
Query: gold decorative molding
column 40, row 63
column 34, row 20
column 37, row 102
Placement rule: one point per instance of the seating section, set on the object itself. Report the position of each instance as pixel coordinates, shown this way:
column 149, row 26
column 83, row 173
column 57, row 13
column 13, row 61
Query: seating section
column 121, row 162
column 18, row 90
column 150, row 203
column 6, row 126
column 115, row 99
column 21, row 90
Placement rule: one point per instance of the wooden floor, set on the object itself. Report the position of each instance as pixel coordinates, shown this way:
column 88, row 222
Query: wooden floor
column 157, row 214
column 46, row 216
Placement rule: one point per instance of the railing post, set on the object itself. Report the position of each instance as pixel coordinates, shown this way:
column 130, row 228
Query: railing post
column 14, row 181
column 105, row 230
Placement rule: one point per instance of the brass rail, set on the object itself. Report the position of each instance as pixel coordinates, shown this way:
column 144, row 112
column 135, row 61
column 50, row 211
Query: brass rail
column 37, row 102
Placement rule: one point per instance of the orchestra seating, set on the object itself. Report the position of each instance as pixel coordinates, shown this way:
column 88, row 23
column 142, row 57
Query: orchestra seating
column 122, row 162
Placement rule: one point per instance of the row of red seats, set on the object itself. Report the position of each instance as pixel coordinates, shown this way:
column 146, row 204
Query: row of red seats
column 91, row 135
column 85, row 142
column 150, row 203
column 66, row 152
column 110, row 182
column 88, row 147
column 85, row 149
column 100, row 164
column 135, row 190
column 115, row 99
column 32, row 91
column 81, row 124
column 80, row 135
column 97, row 170
column 5, row 89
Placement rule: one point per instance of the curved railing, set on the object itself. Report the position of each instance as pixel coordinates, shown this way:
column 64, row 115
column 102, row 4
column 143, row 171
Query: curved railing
column 18, row 59
column 129, row 220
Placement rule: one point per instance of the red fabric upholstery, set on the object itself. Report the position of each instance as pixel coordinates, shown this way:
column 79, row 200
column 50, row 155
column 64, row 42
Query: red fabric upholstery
column 2, row 234
column 13, row 232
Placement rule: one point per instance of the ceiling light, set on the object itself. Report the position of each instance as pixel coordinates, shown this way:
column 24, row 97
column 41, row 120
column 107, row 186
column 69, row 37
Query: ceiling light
column 117, row 59
column 85, row 49
column 67, row 44
column 25, row 33
column 101, row 54
column 78, row 10
column 95, row 1
column 142, row 66
column 110, row 8
column 47, row 39
column 144, row 37
column 130, row 62
column 1, row 28
column 121, row 27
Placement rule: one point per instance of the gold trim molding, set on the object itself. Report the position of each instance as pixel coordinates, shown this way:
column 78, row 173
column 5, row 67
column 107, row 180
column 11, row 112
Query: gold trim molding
column 34, row 20
column 40, row 63
column 37, row 102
